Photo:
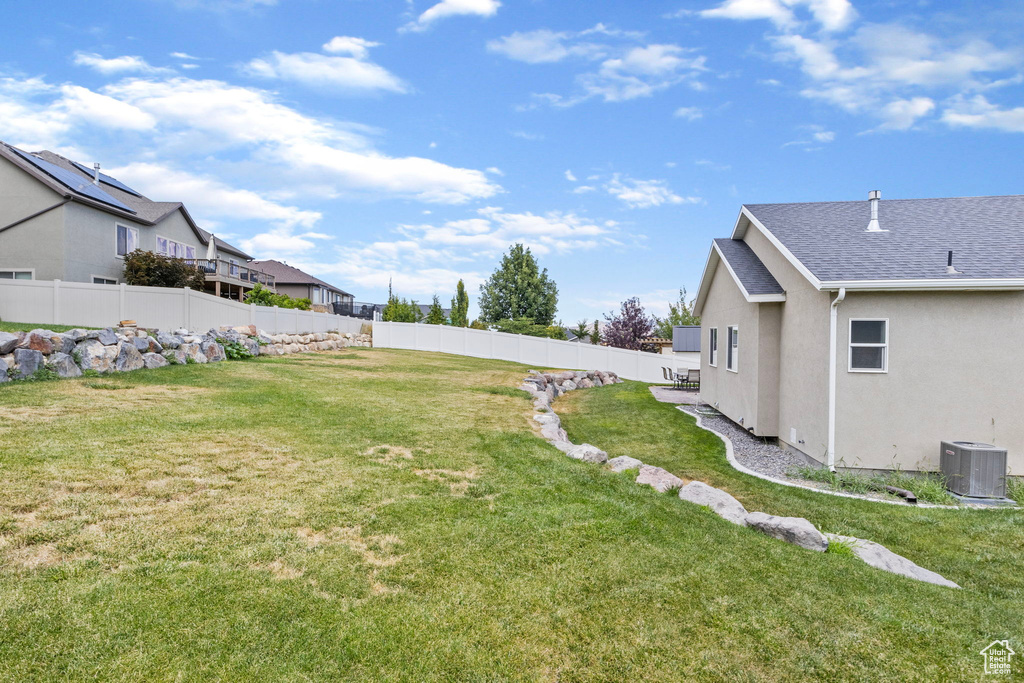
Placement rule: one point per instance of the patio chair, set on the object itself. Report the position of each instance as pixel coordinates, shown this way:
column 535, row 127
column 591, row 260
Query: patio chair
column 693, row 379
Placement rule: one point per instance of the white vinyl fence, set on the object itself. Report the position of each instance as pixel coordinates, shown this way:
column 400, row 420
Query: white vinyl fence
column 536, row 351
column 54, row 302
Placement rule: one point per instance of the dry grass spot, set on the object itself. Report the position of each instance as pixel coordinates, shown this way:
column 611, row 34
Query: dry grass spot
column 390, row 455
column 36, row 556
column 312, row 538
column 458, row 481
column 282, row 572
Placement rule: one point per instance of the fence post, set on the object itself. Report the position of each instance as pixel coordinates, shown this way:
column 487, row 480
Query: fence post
column 252, row 314
column 547, row 352
column 579, row 354
column 491, row 332
column 56, row 302
column 637, row 375
column 120, row 308
column 277, row 323
column 519, row 349
column 184, row 309
column 416, row 336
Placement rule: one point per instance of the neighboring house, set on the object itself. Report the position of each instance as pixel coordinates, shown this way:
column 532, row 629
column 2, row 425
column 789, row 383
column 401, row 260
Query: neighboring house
column 425, row 309
column 60, row 220
column 864, row 333
column 299, row 284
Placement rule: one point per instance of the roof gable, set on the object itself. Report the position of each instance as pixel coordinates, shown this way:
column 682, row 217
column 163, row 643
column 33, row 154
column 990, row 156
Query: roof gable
column 751, row 276
column 290, row 275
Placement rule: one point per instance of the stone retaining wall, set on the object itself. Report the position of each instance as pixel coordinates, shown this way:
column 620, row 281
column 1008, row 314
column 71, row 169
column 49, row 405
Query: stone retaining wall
column 69, row 354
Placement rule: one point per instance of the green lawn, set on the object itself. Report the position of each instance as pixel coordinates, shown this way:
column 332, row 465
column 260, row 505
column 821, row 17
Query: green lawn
column 27, row 327
column 388, row 515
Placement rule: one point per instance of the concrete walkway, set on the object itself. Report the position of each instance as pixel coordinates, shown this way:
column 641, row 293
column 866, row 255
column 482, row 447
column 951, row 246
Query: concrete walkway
column 676, row 397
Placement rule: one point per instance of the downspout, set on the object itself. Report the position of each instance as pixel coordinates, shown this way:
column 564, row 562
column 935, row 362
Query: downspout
column 833, row 317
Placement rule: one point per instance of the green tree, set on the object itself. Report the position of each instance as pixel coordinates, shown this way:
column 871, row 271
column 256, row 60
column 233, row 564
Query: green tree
column 460, row 306
column 399, row 310
column 146, row 269
column 435, row 316
column 582, row 329
column 679, row 313
column 477, row 325
column 595, row 334
column 519, row 289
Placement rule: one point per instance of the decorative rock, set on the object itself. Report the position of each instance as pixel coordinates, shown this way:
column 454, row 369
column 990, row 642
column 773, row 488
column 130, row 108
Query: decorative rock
column 8, row 342
column 181, row 332
column 880, row 557
column 214, row 352
column 568, row 385
column 795, row 530
column 660, row 480
column 36, row 341
column 720, row 502
column 128, row 358
column 64, row 365
column 154, row 360
column 93, row 355
column 154, row 346
column 27, row 362
column 63, row 343
column 77, row 334
column 251, row 345
column 107, row 337
column 141, row 343
column 192, row 350
column 586, row 383
column 547, row 419
column 588, row 453
column 553, row 433
column 3, row 371
column 623, row 463
column 168, row 341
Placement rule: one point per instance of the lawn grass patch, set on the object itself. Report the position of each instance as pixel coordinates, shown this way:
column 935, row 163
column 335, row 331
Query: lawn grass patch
column 28, row 327
column 386, row 517
column 929, row 487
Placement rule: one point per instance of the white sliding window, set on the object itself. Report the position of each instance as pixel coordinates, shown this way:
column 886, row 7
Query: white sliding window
column 732, row 348
column 869, row 345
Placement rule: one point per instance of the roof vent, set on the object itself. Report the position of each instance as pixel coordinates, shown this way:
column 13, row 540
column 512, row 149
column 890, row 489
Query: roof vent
column 873, row 198
column 950, row 268
column 96, row 173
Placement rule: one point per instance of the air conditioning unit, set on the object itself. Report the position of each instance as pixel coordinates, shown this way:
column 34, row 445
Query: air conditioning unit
column 977, row 470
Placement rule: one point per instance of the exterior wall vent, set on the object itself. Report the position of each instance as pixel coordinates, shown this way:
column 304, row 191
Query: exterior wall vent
column 977, row 470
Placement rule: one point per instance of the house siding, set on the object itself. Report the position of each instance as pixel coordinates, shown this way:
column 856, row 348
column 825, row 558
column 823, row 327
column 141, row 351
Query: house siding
column 802, row 375
column 295, row 291
column 953, row 374
column 36, row 244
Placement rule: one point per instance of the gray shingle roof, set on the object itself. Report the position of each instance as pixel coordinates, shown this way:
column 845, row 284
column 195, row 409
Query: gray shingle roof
column 748, row 268
column 986, row 235
column 290, row 275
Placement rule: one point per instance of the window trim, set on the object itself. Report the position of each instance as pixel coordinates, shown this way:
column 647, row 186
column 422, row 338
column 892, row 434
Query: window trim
column 186, row 247
column 93, row 278
column 732, row 357
column 127, row 251
column 850, row 344
column 15, row 269
column 713, row 347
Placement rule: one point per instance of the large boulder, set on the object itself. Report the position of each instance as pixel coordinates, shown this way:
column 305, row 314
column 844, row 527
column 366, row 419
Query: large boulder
column 720, row 502
column 192, row 350
column 795, row 530
column 128, row 358
column 251, row 345
column 64, row 365
column 623, row 463
column 3, row 371
column 880, row 557
column 63, row 343
column 168, row 341
column 77, row 334
column 107, row 336
column 213, row 351
column 154, row 360
column 547, row 419
column 141, row 343
column 568, row 385
column 8, row 342
column 586, row 383
column 93, row 355
column 588, row 453
column 27, row 362
column 659, row 479
column 553, row 433
column 37, row 340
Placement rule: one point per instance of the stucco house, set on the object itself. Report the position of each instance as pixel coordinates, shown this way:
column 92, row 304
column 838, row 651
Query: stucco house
column 60, row 220
column 299, row 284
column 863, row 333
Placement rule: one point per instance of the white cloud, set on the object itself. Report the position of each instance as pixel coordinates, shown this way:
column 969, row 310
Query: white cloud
column 902, row 114
column 340, row 74
column 626, row 67
column 831, row 15
column 184, row 55
column 978, row 112
column 451, row 8
column 688, row 113
column 570, row 177
column 824, row 136
column 494, row 170
column 583, row 189
column 644, row 194
column 87, row 107
column 354, row 47
column 116, row 65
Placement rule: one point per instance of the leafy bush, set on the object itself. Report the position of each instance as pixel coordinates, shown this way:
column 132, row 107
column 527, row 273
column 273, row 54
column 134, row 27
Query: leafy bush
column 400, row 311
column 234, row 350
column 528, row 327
column 929, row 487
column 261, row 296
column 146, row 269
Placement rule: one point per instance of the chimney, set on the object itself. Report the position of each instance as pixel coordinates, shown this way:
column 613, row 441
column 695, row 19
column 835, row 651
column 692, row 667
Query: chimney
column 96, row 173
column 873, row 198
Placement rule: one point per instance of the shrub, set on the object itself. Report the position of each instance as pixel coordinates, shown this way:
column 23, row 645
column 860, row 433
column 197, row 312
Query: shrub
column 528, row 327
column 234, row 350
column 261, row 296
column 146, row 269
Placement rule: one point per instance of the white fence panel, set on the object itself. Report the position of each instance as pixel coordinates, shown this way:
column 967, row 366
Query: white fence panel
column 80, row 303
column 536, row 351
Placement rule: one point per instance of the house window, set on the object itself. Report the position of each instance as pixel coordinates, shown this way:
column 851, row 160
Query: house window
column 127, row 240
column 732, row 348
column 869, row 345
column 166, row 247
column 15, row 274
column 713, row 347
column 103, row 281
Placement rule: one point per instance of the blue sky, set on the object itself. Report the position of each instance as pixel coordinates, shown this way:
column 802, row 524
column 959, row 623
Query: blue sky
column 415, row 140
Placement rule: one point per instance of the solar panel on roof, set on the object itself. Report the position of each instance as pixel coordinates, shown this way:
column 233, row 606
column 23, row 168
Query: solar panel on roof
column 72, row 181
column 104, row 178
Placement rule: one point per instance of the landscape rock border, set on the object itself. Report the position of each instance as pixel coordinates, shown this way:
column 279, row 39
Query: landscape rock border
column 544, row 387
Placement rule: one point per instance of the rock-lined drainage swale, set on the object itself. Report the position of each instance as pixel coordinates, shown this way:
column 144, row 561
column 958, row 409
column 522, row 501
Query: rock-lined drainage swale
column 547, row 386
